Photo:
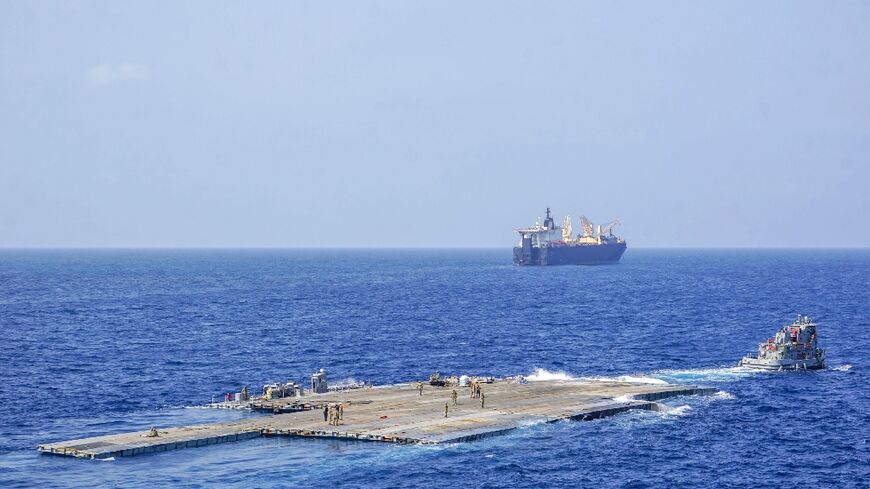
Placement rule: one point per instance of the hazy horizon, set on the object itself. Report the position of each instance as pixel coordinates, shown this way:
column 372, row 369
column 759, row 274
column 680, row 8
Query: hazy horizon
column 412, row 125
column 400, row 248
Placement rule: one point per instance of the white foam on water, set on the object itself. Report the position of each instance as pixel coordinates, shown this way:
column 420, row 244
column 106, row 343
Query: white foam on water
column 842, row 368
column 683, row 410
column 107, row 459
column 541, row 374
column 722, row 395
column 625, row 398
column 350, row 381
column 640, row 380
column 629, row 379
column 716, row 374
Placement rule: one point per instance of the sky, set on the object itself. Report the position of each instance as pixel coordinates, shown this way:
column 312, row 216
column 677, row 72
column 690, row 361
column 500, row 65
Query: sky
column 433, row 124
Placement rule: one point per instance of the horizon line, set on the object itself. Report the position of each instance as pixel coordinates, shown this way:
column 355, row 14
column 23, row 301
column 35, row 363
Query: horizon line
column 361, row 248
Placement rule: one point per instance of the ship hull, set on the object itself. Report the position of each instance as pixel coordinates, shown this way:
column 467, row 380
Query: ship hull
column 597, row 254
column 787, row 364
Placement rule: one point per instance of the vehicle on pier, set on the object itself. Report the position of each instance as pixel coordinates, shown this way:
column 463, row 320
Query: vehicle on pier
column 794, row 347
column 549, row 244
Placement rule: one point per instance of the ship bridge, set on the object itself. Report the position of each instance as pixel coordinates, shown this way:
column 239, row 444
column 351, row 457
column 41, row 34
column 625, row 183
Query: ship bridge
column 541, row 234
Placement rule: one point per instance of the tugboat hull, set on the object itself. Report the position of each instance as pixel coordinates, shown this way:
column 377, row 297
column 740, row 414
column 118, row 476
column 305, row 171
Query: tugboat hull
column 754, row 363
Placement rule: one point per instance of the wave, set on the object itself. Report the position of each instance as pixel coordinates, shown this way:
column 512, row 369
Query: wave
column 683, row 410
column 723, row 395
column 842, row 368
column 541, row 374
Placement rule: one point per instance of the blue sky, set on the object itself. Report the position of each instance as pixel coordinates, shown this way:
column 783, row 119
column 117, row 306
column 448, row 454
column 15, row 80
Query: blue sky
column 432, row 123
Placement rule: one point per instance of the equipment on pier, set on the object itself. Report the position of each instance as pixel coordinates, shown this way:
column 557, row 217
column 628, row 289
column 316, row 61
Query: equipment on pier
column 435, row 379
column 280, row 391
column 318, row 382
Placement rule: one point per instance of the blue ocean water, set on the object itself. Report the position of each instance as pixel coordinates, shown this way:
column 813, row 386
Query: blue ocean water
column 98, row 342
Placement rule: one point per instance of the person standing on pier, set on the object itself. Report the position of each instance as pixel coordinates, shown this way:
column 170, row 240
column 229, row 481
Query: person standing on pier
column 455, row 397
column 446, row 407
column 482, row 398
column 325, row 412
column 420, row 387
column 340, row 410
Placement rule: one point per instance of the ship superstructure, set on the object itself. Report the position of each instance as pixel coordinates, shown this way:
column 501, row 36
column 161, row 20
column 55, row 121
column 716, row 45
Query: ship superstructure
column 548, row 244
column 795, row 346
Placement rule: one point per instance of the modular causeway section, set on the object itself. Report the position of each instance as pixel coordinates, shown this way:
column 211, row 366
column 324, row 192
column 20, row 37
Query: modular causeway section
column 400, row 414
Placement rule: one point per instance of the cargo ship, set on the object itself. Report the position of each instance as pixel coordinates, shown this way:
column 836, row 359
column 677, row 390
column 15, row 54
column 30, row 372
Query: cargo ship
column 548, row 244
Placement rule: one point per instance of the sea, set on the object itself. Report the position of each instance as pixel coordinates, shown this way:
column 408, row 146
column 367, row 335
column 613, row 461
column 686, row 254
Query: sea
column 106, row 341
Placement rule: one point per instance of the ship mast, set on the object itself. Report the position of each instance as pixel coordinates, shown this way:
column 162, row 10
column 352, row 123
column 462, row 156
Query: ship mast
column 548, row 222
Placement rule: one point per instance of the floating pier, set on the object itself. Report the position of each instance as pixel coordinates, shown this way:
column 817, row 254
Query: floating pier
column 399, row 414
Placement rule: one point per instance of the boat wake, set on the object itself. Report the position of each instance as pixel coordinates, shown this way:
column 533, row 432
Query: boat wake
column 842, row 368
column 693, row 375
column 658, row 377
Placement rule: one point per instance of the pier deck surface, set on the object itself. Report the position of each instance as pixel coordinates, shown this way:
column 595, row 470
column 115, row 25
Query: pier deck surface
column 399, row 414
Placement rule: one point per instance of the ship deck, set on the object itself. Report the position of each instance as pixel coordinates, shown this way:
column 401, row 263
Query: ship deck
column 399, row 414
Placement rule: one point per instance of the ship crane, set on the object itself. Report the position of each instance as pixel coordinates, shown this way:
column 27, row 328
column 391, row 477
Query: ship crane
column 567, row 229
column 607, row 229
column 587, row 227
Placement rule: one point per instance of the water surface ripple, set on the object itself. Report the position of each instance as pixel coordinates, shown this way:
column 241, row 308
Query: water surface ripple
column 98, row 342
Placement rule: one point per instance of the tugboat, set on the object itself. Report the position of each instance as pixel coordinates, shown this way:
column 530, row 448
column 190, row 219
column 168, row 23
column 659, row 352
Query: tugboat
column 795, row 347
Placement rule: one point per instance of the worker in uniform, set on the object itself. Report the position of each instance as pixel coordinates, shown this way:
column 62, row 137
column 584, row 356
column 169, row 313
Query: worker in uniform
column 340, row 410
column 420, row 387
column 325, row 412
column 455, row 396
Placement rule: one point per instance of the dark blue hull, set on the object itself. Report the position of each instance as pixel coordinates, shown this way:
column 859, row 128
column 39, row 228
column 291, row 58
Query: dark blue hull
column 603, row 254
